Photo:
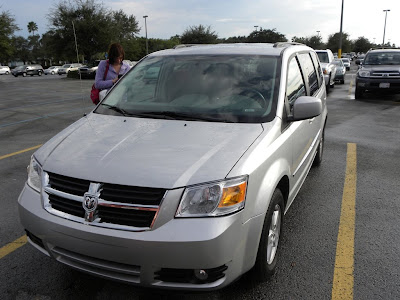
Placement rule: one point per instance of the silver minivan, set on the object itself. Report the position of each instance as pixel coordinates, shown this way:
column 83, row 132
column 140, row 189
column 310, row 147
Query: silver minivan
column 180, row 178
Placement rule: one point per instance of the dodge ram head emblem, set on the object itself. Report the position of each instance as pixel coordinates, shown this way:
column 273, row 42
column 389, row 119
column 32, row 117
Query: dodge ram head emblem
column 90, row 202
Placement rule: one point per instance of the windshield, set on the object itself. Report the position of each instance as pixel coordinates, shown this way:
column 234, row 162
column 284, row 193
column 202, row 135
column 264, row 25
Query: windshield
column 338, row 63
column 204, row 88
column 65, row 66
column 382, row 58
column 323, row 57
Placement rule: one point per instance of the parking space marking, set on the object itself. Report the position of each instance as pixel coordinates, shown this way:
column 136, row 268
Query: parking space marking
column 45, row 116
column 19, row 152
column 7, row 249
column 343, row 277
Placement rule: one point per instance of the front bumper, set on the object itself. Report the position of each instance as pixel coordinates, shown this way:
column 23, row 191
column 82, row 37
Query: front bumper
column 164, row 257
column 381, row 84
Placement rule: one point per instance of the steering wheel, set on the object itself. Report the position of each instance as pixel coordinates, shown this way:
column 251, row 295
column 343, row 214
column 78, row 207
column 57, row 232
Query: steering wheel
column 256, row 95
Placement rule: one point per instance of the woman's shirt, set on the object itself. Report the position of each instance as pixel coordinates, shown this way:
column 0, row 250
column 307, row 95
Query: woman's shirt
column 102, row 84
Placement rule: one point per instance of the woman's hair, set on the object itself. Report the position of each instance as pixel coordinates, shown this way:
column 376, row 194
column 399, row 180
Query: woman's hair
column 115, row 51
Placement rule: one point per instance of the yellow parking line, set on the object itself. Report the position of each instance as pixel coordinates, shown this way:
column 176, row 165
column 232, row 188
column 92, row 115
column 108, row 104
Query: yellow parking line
column 343, row 277
column 19, row 152
column 7, row 249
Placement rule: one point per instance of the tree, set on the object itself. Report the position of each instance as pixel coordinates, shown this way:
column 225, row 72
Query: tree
column 314, row 41
column 21, row 46
column 266, row 36
column 96, row 27
column 199, row 35
column 7, row 29
column 362, row 44
column 333, row 42
column 32, row 27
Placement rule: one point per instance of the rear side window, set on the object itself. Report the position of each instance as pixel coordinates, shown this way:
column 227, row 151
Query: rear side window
column 318, row 68
column 295, row 85
column 310, row 73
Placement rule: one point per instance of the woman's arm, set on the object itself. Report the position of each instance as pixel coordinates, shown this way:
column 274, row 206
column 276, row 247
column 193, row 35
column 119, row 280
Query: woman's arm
column 100, row 83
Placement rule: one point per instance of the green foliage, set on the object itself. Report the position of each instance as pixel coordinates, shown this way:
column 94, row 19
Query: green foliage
column 7, row 29
column 96, row 27
column 199, row 35
column 32, row 27
column 333, row 42
column 314, row 41
column 21, row 48
column 362, row 44
column 266, row 36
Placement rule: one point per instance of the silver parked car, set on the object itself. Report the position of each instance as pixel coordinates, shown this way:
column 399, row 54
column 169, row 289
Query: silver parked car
column 181, row 176
column 69, row 67
column 5, row 70
column 52, row 70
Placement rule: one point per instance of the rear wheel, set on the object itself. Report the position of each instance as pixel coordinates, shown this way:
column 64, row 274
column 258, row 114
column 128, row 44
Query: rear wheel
column 40, row 73
column 267, row 254
column 24, row 74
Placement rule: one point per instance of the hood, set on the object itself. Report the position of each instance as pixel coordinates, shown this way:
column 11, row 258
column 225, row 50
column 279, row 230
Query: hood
column 147, row 152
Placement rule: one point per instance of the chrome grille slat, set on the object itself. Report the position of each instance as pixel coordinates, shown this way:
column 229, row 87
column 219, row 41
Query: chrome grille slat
column 118, row 206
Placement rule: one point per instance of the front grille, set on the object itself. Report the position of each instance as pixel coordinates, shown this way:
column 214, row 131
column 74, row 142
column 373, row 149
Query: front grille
column 118, row 205
column 187, row 275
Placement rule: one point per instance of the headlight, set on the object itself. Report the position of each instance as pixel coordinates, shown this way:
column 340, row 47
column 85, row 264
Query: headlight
column 363, row 73
column 213, row 199
column 35, row 175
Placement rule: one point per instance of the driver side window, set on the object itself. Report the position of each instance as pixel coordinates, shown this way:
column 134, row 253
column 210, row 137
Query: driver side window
column 295, row 84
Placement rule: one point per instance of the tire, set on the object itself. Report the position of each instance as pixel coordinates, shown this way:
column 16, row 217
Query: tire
column 267, row 255
column 358, row 93
column 320, row 151
column 7, row 73
column 52, row 73
column 328, row 87
column 40, row 73
column 24, row 74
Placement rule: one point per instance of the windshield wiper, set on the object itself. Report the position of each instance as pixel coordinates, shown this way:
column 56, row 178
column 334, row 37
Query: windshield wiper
column 178, row 116
column 117, row 109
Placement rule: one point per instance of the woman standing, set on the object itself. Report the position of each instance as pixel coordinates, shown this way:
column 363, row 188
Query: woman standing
column 116, row 68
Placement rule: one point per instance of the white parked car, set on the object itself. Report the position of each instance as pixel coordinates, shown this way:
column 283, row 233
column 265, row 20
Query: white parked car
column 346, row 63
column 69, row 67
column 52, row 70
column 5, row 70
column 181, row 176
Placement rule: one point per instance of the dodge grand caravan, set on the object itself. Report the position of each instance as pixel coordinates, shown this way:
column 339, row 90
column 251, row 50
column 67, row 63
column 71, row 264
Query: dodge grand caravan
column 181, row 177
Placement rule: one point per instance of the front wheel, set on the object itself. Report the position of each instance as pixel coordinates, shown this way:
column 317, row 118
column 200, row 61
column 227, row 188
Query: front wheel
column 358, row 93
column 24, row 74
column 267, row 254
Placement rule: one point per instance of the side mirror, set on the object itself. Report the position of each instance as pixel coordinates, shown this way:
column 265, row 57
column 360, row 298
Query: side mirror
column 306, row 107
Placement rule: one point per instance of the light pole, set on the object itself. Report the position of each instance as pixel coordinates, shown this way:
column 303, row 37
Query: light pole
column 384, row 27
column 340, row 34
column 145, row 26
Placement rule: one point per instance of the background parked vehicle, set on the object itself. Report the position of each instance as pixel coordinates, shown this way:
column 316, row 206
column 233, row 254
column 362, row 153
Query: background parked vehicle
column 5, row 70
column 25, row 70
column 130, row 62
column 379, row 72
column 346, row 63
column 328, row 67
column 69, row 67
column 52, row 70
column 89, row 71
column 340, row 70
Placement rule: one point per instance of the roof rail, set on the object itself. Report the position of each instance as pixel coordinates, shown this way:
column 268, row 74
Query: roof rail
column 285, row 44
column 188, row 45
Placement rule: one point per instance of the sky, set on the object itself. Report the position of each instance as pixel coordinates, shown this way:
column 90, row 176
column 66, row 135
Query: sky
column 228, row 18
